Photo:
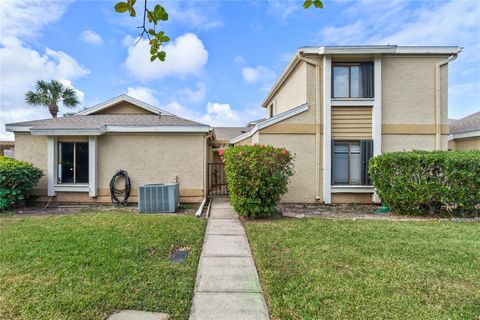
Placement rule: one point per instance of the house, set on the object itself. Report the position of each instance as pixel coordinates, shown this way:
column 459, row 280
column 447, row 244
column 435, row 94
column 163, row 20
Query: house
column 465, row 133
column 335, row 107
column 79, row 154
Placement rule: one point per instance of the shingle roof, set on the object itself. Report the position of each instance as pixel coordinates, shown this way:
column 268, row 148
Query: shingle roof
column 99, row 121
column 226, row 133
column 468, row 124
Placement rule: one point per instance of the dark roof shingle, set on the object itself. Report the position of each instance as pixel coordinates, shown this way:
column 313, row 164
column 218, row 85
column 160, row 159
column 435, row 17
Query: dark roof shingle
column 99, row 121
column 468, row 124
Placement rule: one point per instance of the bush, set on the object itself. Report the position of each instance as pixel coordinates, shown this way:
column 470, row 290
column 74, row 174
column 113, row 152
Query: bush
column 17, row 178
column 257, row 178
column 418, row 182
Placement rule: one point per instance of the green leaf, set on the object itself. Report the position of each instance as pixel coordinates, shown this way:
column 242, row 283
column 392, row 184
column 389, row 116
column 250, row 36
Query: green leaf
column 161, row 55
column 153, row 51
column 151, row 32
column 307, row 4
column 122, row 7
column 152, row 58
column 318, row 4
column 131, row 2
column 132, row 11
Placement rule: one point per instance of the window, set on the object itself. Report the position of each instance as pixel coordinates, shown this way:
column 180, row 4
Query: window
column 352, row 80
column 72, row 162
column 350, row 162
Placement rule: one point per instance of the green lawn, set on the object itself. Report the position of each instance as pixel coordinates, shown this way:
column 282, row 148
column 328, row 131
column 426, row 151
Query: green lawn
column 344, row 269
column 87, row 265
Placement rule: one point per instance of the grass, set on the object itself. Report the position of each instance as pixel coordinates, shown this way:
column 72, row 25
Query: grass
column 344, row 269
column 85, row 266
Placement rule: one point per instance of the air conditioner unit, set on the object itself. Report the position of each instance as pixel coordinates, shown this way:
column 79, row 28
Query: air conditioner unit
column 160, row 197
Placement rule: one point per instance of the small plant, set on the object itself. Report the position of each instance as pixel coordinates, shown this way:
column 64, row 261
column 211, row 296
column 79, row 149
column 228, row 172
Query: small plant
column 17, row 178
column 420, row 182
column 257, row 178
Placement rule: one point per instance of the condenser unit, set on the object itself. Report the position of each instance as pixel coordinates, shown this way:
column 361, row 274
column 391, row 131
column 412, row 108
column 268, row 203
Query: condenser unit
column 160, row 197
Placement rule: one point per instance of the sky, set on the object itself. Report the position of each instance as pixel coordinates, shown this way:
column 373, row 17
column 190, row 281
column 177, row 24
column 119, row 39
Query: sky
column 224, row 56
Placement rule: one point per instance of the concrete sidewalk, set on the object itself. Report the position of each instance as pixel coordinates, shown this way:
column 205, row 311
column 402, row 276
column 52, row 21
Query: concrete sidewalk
column 227, row 285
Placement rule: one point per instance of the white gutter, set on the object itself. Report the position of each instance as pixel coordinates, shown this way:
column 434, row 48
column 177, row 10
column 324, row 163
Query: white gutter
column 117, row 129
column 438, row 115
column 200, row 209
column 463, row 135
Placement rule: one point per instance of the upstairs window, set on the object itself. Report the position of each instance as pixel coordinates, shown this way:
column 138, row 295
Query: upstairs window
column 352, row 80
column 73, row 162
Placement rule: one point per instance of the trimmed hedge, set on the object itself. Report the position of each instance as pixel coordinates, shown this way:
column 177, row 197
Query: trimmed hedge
column 420, row 182
column 257, row 178
column 17, row 178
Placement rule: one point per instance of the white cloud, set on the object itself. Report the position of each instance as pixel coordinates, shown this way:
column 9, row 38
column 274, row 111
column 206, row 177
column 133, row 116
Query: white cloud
column 200, row 18
column 22, row 66
column 128, row 41
column 257, row 74
column 194, row 95
column 186, row 55
column 143, row 94
column 91, row 37
column 24, row 19
column 221, row 114
column 283, row 9
column 215, row 114
column 239, row 60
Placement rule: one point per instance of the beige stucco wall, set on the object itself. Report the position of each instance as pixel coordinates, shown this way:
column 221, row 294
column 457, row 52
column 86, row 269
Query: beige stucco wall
column 33, row 149
column 124, row 107
column 153, row 159
column 301, row 188
column 292, row 93
column 464, row 144
column 408, row 102
column 148, row 158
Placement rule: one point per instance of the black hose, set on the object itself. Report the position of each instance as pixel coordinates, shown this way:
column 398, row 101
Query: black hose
column 115, row 193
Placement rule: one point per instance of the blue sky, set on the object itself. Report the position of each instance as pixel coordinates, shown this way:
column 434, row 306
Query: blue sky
column 224, row 55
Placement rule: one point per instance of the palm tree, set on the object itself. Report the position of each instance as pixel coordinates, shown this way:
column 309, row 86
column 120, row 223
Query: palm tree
column 49, row 94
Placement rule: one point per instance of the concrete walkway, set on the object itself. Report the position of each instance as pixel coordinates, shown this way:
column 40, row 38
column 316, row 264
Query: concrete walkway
column 227, row 285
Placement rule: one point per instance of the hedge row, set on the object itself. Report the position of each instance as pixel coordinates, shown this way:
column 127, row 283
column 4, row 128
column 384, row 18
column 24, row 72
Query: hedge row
column 420, row 182
column 257, row 177
column 17, row 178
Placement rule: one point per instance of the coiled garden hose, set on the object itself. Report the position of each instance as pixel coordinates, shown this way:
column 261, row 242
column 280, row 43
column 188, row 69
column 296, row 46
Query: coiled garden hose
column 116, row 193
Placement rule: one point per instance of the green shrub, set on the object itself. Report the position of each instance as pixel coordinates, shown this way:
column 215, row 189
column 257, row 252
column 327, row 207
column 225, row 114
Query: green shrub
column 257, row 177
column 418, row 182
column 17, row 178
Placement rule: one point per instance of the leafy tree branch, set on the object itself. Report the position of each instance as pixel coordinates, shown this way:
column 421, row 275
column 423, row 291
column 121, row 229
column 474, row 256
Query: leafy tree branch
column 158, row 38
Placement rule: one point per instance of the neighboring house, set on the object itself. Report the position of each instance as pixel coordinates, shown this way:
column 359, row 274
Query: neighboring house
column 221, row 140
column 335, row 107
column 7, row 148
column 465, row 133
column 79, row 154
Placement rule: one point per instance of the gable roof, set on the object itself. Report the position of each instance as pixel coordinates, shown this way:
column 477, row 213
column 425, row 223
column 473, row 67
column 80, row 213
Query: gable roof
column 121, row 98
column 271, row 121
column 468, row 126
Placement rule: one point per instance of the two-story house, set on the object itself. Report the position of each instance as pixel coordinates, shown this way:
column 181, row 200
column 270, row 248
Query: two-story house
column 335, row 107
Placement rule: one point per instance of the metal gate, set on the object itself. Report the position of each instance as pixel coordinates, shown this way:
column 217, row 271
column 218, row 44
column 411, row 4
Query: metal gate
column 217, row 182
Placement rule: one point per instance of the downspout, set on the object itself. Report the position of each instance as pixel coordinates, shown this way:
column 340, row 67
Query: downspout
column 438, row 107
column 317, row 120
column 205, row 173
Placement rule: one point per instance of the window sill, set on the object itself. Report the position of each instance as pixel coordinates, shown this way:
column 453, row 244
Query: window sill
column 352, row 102
column 70, row 187
column 352, row 189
